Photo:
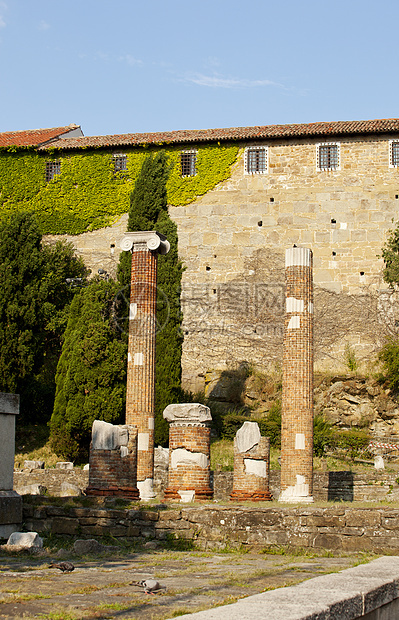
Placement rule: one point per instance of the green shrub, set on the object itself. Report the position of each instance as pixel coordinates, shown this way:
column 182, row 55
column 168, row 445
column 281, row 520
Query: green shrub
column 271, row 426
column 389, row 356
column 324, row 436
column 353, row 442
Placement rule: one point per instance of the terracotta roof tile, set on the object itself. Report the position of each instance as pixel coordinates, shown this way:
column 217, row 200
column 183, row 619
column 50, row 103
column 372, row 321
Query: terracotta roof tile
column 322, row 130
column 33, row 137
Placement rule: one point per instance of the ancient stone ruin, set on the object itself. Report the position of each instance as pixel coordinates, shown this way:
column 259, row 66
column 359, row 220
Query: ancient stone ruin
column 140, row 394
column 297, row 397
column 251, row 465
column 10, row 501
column 189, row 452
column 113, row 460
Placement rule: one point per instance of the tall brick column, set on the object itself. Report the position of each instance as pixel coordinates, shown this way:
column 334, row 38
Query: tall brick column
column 297, row 400
column 140, row 394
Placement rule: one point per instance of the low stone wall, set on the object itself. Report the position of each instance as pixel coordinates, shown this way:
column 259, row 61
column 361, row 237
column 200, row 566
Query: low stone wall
column 343, row 528
column 51, row 479
column 334, row 485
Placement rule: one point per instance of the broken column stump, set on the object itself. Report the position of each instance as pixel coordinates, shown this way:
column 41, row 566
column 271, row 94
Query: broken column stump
column 113, row 460
column 251, row 465
column 10, row 501
column 189, row 452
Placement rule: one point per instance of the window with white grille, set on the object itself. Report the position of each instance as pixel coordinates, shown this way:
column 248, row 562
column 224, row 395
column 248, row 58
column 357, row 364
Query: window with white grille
column 188, row 160
column 52, row 168
column 120, row 163
column 328, row 156
column 255, row 160
column 394, row 153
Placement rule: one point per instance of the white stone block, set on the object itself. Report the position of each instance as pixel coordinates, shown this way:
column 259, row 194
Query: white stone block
column 247, row 436
column 181, row 456
column 106, row 436
column 70, row 490
column 25, row 539
column 255, row 467
column 187, row 412
column 379, row 462
column 186, row 496
column 64, row 465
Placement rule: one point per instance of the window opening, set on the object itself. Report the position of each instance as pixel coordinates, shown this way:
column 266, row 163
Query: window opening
column 328, row 156
column 394, row 153
column 255, row 160
column 120, row 163
column 52, row 168
column 188, row 161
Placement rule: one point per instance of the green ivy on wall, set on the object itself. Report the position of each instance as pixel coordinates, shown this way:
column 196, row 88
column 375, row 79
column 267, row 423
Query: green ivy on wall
column 87, row 195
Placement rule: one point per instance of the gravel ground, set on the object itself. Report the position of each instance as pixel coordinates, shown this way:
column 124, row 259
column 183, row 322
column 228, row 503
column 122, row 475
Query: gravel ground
column 103, row 586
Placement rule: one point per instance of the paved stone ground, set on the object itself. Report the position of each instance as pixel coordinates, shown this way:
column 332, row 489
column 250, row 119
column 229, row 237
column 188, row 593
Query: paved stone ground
column 101, row 586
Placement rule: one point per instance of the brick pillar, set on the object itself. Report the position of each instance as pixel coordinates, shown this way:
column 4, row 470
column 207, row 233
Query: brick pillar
column 251, row 465
column 113, row 460
column 297, row 399
column 140, row 394
column 189, row 452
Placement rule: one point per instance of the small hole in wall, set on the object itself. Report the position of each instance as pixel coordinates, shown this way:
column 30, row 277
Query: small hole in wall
column 362, row 273
column 207, row 268
column 396, row 196
column 214, row 291
column 334, row 253
column 112, row 245
column 186, row 333
column 271, row 199
column 260, row 223
column 333, row 221
column 214, row 256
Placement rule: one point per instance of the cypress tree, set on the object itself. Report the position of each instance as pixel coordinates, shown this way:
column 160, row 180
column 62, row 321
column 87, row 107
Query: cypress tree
column 149, row 211
column 34, row 300
column 91, row 373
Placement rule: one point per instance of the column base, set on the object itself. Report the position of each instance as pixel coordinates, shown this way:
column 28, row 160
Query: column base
column 291, row 496
column 187, row 495
column 146, row 489
column 128, row 492
column 247, row 496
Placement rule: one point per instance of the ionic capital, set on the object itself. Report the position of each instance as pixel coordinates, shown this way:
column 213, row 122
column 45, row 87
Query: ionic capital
column 152, row 239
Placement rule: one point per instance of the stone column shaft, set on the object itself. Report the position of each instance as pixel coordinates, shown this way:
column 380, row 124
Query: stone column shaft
column 297, row 398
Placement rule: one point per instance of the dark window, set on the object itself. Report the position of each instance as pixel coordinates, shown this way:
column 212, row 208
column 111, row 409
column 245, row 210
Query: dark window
column 120, row 163
column 256, row 161
column 395, row 154
column 52, row 168
column 187, row 162
column 328, row 156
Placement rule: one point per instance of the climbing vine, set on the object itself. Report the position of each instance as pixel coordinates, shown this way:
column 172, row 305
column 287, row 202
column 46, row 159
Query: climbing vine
column 87, row 194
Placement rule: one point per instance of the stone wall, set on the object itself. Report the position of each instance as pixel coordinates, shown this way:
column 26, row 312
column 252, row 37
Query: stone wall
column 339, row 527
column 334, row 485
column 232, row 242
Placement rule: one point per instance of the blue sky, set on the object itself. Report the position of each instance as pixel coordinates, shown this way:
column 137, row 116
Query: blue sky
column 121, row 66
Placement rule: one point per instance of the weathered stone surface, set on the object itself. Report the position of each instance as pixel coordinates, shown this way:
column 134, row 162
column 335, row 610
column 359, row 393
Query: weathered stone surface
column 33, row 464
column 64, row 465
column 84, row 547
column 32, row 489
column 247, row 436
column 25, row 539
column 70, row 490
column 107, row 436
column 184, row 457
column 190, row 412
column 9, row 403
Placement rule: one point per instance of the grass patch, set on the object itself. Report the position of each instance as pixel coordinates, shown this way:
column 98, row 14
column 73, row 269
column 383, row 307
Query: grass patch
column 222, row 455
